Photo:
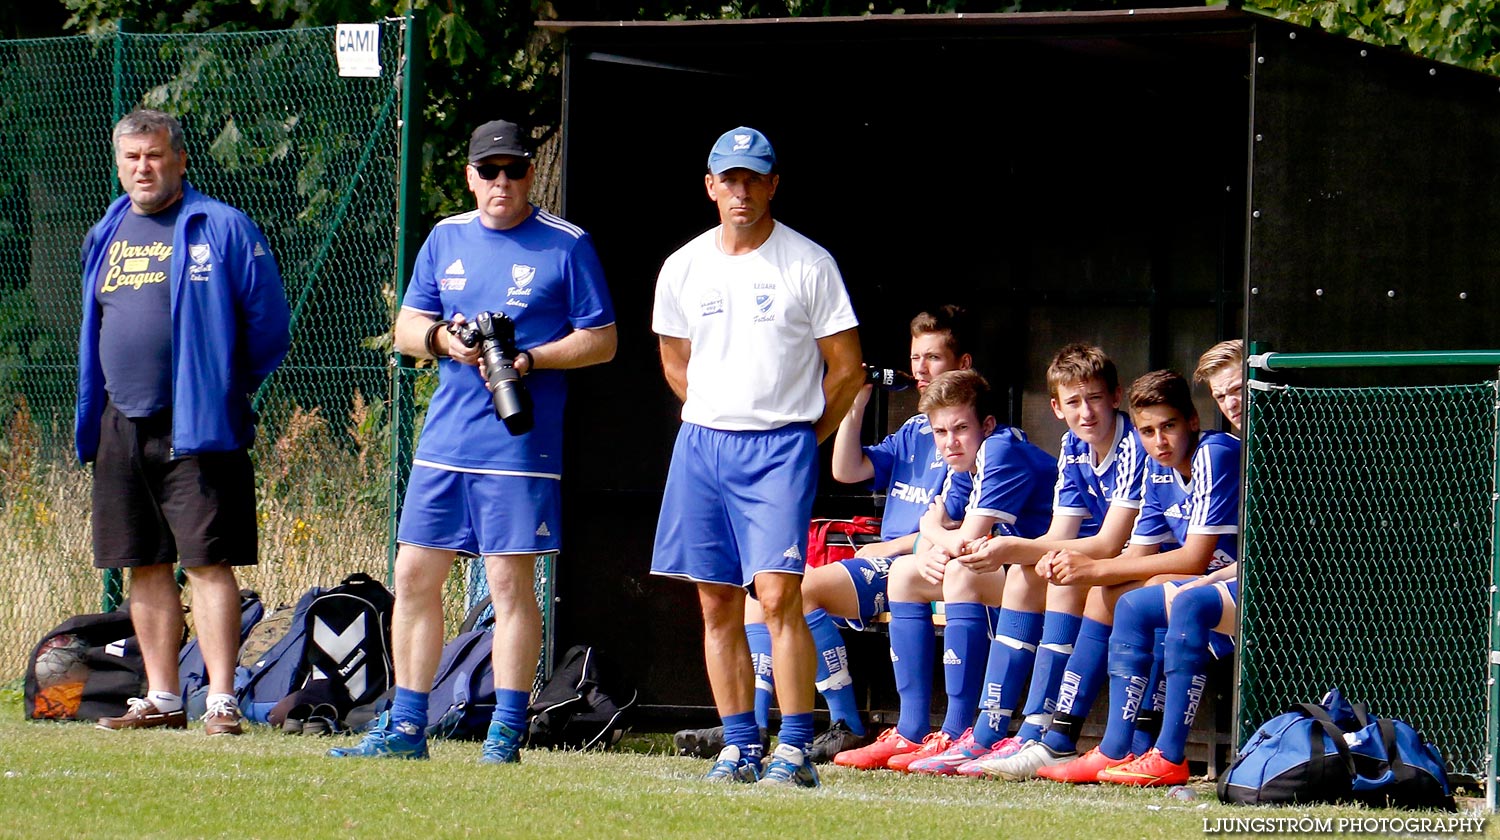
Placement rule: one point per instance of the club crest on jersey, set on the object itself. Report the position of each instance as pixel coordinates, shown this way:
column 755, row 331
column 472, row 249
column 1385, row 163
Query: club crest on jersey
column 200, row 255
column 521, row 275
column 763, row 303
column 711, row 303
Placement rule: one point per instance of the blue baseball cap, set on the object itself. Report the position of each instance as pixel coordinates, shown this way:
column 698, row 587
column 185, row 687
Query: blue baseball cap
column 742, row 148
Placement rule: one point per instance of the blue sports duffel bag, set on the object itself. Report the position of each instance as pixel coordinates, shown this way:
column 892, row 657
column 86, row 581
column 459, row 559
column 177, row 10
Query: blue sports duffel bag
column 1336, row 752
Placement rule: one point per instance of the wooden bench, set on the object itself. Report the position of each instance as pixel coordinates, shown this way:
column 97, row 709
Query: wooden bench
column 1210, row 742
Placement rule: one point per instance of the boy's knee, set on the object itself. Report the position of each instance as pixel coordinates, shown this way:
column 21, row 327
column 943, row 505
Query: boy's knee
column 1196, row 607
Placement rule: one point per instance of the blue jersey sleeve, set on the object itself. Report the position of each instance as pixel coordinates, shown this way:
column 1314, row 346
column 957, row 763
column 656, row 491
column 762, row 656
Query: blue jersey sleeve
column 1005, row 480
column 1130, row 470
column 422, row 289
column 590, row 306
column 884, row 456
column 956, row 490
column 1068, row 497
column 1151, row 526
column 1214, row 493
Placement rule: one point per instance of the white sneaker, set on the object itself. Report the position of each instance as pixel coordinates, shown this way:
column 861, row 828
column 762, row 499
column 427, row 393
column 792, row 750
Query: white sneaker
column 1023, row 765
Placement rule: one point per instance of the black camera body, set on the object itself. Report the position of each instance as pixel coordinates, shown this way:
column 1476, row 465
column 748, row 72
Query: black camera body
column 495, row 335
column 889, row 379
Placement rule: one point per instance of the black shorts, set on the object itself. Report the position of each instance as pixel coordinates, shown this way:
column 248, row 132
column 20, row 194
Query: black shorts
column 150, row 509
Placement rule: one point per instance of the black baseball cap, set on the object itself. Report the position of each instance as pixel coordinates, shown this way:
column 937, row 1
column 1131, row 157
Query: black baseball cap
column 497, row 137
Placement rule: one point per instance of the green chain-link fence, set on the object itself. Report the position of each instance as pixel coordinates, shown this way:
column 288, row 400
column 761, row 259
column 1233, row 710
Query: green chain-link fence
column 273, row 129
column 1369, row 550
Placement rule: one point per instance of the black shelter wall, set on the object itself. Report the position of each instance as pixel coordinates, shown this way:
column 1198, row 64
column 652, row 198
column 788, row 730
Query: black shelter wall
column 1064, row 185
column 1376, row 204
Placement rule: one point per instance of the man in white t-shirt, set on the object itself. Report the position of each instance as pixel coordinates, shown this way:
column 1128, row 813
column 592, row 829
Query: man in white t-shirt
column 758, row 340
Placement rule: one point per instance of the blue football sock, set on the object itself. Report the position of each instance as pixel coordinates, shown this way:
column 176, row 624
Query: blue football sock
column 1148, row 722
column 740, row 730
column 797, row 730
column 834, row 681
column 409, row 706
column 1059, row 632
column 1080, row 685
column 912, row 637
column 965, row 645
column 1194, row 614
column 1137, row 616
column 1012, row 655
column 510, row 708
column 759, row 638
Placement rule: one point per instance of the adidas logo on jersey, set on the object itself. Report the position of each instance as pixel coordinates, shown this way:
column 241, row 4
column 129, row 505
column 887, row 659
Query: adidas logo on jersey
column 792, row 553
column 894, row 657
column 951, row 658
column 543, row 531
column 258, row 251
column 869, row 574
column 456, row 267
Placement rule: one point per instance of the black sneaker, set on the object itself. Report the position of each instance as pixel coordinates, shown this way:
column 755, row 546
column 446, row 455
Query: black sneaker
column 835, row 740
column 700, row 743
column 708, row 743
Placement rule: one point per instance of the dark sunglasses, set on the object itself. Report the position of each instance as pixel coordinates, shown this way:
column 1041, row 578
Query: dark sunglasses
column 515, row 170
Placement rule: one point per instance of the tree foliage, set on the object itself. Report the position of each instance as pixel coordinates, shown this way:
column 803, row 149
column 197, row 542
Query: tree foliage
column 486, row 57
column 1465, row 33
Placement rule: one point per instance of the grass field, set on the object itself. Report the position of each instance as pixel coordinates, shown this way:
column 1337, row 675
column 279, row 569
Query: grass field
column 70, row 780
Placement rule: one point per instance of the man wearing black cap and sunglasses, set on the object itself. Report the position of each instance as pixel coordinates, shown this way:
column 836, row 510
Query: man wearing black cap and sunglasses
column 475, row 488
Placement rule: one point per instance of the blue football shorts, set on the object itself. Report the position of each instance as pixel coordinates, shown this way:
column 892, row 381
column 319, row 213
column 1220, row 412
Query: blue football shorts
column 481, row 513
column 736, row 504
column 871, row 577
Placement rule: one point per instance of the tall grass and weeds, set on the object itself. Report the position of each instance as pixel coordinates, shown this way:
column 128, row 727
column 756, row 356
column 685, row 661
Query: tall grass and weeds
column 324, row 510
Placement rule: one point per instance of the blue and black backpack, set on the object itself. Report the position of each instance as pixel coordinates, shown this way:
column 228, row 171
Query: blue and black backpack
column 463, row 691
column 341, row 635
column 1337, row 752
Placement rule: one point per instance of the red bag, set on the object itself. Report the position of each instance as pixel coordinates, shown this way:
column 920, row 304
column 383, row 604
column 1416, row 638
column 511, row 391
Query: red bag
column 831, row 540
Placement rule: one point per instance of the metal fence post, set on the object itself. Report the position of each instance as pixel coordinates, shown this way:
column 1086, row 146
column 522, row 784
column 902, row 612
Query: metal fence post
column 114, row 579
column 403, row 402
column 1493, row 755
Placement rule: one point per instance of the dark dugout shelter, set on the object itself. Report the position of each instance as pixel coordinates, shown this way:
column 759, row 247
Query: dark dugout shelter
column 1153, row 181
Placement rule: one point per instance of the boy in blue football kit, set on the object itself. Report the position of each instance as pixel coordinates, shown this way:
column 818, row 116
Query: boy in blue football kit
column 1003, row 484
column 1100, row 473
column 1196, row 618
column 759, row 341
column 1192, row 500
column 1222, row 369
column 476, row 488
column 907, row 468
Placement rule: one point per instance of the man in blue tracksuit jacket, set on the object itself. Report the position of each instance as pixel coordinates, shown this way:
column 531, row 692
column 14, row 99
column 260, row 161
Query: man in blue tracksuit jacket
column 184, row 316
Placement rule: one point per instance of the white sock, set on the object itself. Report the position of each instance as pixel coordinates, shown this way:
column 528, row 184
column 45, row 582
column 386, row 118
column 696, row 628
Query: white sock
column 165, row 701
